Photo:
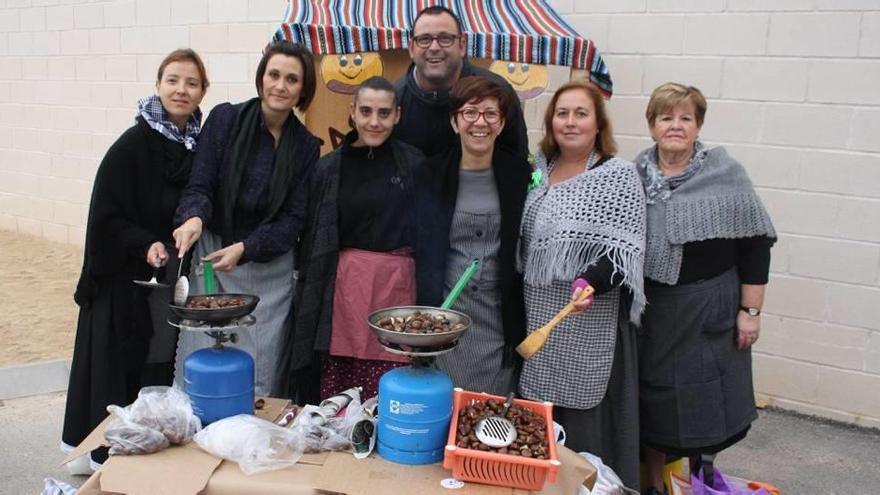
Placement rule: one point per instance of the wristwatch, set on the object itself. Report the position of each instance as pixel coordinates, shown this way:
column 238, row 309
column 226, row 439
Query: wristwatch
column 750, row 311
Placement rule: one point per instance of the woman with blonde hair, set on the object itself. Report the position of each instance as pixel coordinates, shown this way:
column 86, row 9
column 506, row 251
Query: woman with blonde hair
column 123, row 340
column 584, row 221
column 707, row 262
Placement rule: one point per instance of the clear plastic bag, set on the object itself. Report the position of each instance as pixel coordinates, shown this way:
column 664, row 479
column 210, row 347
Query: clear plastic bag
column 255, row 444
column 167, row 410
column 607, row 481
column 129, row 438
column 51, row 486
column 317, row 434
column 158, row 417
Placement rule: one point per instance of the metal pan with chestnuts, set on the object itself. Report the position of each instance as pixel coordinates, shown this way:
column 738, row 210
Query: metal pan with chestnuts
column 419, row 322
column 531, row 429
column 418, row 326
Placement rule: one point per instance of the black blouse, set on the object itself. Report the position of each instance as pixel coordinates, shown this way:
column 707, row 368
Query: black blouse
column 372, row 200
column 707, row 259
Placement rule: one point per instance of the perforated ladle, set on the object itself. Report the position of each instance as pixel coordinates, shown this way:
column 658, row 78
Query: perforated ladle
column 497, row 431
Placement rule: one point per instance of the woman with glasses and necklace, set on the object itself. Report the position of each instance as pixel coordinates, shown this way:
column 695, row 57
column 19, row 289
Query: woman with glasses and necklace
column 479, row 189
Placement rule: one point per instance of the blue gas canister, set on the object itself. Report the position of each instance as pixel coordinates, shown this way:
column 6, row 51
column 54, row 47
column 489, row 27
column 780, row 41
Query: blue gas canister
column 415, row 408
column 219, row 382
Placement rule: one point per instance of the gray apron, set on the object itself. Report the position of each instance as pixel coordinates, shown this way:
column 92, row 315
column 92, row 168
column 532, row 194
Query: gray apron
column 695, row 385
column 265, row 341
column 476, row 362
column 163, row 343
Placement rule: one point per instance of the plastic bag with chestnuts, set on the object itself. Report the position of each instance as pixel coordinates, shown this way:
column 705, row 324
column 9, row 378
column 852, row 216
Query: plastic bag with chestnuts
column 160, row 416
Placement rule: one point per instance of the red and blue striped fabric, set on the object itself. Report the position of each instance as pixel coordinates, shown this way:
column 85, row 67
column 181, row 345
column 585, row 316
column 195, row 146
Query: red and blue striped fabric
column 526, row 31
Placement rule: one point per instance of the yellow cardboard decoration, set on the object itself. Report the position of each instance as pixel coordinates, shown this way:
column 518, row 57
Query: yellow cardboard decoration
column 344, row 73
column 527, row 80
column 327, row 117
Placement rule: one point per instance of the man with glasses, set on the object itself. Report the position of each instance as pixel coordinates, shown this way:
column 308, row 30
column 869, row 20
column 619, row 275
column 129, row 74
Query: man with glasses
column 437, row 49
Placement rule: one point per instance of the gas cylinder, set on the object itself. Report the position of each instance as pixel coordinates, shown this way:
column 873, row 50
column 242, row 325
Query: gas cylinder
column 220, row 382
column 415, row 408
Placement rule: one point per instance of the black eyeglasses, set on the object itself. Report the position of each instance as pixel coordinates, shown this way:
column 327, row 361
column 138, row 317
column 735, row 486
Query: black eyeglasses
column 445, row 40
column 491, row 116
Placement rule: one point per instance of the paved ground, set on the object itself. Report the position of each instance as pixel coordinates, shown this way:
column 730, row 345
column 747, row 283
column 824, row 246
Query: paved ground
column 30, row 433
column 801, row 455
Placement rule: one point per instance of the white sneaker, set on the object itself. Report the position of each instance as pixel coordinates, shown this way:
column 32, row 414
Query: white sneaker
column 81, row 466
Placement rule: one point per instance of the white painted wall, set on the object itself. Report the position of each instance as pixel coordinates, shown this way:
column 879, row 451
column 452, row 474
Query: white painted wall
column 793, row 93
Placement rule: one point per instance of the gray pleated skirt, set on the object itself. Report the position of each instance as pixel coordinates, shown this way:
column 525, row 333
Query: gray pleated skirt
column 695, row 386
column 265, row 341
column 610, row 430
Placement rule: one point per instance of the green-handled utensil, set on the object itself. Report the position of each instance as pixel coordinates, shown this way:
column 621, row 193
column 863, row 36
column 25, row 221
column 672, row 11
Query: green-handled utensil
column 210, row 283
column 460, row 285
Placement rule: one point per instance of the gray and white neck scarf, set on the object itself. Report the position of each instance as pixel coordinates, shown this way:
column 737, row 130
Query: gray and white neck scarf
column 151, row 109
column 659, row 187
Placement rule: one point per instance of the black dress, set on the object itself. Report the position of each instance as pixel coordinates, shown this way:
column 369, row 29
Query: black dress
column 135, row 193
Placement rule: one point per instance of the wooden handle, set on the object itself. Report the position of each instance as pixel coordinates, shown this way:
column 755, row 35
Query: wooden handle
column 564, row 312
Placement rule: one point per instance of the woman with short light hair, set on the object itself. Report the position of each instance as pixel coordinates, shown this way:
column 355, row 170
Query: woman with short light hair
column 707, row 263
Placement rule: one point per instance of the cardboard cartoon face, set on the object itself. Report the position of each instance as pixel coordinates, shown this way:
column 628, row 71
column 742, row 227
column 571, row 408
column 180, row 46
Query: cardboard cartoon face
column 527, row 80
column 344, row 73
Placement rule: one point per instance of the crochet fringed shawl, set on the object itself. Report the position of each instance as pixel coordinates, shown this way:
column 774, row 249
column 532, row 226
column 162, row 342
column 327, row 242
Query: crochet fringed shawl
column 717, row 202
column 597, row 213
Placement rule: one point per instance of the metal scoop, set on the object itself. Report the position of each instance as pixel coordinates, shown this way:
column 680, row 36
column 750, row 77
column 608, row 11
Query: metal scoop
column 497, row 431
column 181, row 288
column 153, row 283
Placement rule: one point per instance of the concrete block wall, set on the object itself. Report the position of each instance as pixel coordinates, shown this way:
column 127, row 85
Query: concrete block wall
column 792, row 93
column 71, row 72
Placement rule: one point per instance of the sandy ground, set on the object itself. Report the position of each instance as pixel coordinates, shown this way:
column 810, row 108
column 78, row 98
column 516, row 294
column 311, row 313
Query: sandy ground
column 37, row 280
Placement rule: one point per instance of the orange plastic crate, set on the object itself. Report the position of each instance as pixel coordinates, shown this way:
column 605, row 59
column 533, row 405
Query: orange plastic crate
column 500, row 469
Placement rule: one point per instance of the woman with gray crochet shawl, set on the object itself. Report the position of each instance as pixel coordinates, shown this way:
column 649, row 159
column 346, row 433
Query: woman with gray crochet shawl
column 707, row 262
column 585, row 219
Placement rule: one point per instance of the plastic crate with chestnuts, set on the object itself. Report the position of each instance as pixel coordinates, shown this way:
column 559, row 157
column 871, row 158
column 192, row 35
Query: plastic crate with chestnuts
column 526, row 464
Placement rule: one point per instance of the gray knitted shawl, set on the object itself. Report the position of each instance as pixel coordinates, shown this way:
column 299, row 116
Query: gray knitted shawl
column 716, row 202
column 598, row 213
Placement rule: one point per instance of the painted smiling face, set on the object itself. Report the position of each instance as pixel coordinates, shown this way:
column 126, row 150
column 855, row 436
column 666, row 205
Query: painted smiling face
column 344, row 73
column 527, row 80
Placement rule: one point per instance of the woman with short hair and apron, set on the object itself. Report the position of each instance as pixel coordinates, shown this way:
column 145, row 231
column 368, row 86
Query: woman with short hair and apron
column 357, row 250
column 706, row 266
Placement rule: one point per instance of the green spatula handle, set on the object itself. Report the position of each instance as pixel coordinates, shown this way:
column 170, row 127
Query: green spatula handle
column 210, row 283
column 460, row 285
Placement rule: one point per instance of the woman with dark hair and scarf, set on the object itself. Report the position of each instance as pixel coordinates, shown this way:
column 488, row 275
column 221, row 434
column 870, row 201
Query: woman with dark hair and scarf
column 706, row 266
column 357, row 248
column 123, row 340
column 245, row 205
column 479, row 188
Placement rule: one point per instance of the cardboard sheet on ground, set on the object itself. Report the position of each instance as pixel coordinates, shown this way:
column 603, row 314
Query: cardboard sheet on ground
column 187, row 470
column 175, row 470
column 337, row 473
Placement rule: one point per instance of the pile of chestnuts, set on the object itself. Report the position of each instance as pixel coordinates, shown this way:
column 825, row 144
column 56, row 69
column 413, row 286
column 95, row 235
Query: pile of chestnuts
column 419, row 322
column 531, row 429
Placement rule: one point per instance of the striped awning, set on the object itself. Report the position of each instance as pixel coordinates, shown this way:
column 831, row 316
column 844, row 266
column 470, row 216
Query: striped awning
column 525, row 31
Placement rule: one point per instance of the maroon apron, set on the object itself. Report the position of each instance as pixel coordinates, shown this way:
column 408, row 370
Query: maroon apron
column 367, row 281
